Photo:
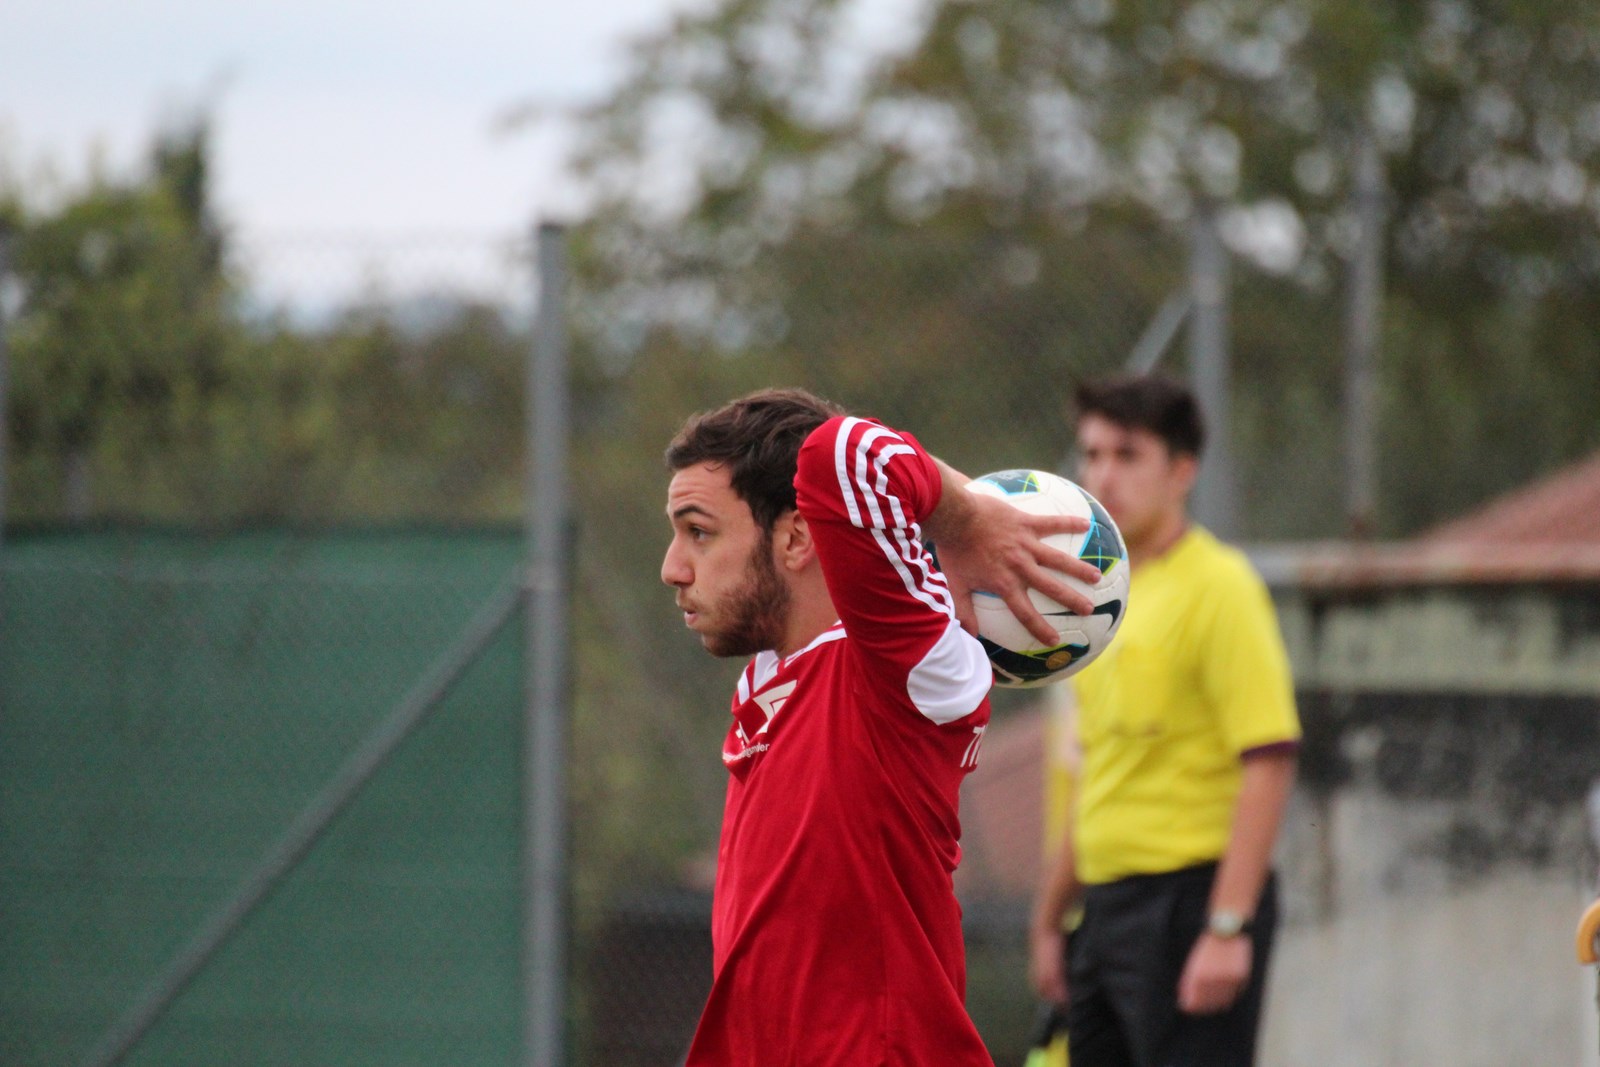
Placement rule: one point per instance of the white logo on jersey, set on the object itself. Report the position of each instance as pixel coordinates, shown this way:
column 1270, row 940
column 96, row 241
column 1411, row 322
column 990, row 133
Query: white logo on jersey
column 969, row 758
column 771, row 702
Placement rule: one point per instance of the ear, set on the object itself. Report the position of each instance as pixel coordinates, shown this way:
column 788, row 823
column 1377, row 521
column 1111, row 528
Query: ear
column 1185, row 471
column 792, row 547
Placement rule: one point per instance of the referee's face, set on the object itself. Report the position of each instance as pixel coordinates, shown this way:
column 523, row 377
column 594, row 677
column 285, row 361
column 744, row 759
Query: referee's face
column 1135, row 475
column 720, row 564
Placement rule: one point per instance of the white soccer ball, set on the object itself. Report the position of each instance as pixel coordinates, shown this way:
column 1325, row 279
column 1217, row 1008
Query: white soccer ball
column 1019, row 661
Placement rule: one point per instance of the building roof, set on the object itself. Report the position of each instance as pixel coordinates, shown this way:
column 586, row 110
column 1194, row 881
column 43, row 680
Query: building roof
column 1545, row 532
column 1563, row 509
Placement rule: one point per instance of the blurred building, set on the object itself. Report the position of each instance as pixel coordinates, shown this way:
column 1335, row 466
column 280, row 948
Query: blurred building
column 1438, row 849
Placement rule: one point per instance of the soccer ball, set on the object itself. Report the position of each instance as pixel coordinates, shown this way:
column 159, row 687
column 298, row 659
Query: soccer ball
column 1019, row 662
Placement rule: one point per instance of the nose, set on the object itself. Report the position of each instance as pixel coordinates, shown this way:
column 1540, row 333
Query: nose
column 675, row 570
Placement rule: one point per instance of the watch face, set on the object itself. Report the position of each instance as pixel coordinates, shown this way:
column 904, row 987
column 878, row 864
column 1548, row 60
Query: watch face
column 1226, row 924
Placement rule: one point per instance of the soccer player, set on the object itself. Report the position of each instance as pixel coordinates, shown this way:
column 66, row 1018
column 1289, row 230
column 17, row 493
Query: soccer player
column 798, row 540
column 1188, row 734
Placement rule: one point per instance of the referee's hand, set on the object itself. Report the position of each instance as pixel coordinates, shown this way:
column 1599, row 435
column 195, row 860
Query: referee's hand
column 1046, row 966
column 1215, row 974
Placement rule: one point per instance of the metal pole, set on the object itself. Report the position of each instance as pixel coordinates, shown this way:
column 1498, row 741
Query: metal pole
column 5, row 382
column 1215, row 499
column 1363, row 308
column 309, row 826
column 545, row 730
column 1158, row 335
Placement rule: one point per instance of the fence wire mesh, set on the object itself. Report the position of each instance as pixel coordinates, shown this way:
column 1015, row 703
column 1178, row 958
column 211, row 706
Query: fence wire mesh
column 173, row 694
column 172, row 702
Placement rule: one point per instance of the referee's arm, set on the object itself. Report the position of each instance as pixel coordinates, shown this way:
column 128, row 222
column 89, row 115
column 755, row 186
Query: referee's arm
column 1218, row 968
column 1058, row 894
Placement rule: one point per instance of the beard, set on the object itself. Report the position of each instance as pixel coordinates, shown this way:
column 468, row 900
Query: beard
column 757, row 611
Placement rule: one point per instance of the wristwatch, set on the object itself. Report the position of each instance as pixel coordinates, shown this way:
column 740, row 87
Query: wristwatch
column 1227, row 924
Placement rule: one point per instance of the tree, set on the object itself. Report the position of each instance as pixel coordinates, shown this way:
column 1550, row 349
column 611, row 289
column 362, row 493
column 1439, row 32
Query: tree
column 124, row 333
column 143, row 387
column 748, row 149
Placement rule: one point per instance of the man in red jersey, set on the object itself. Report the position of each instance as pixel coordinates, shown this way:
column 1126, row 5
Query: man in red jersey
column 798, row 540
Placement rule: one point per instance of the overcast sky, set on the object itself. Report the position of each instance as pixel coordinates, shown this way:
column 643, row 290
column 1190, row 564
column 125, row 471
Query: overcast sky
column 348, row 115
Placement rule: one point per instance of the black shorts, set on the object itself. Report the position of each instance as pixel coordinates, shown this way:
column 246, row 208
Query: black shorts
column 1124, row 961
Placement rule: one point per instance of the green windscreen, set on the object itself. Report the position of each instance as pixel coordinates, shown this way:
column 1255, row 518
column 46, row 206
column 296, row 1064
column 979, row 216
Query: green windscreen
column 171, row 701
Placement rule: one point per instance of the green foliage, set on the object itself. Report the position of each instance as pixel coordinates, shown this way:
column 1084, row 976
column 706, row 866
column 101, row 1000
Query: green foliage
column 124, row 337
column 142, row 388
column 844, row 226
column 950, row 238
column 946, row 234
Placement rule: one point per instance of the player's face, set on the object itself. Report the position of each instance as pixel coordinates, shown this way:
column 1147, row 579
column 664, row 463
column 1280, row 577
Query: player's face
column 720, row 562
column 1134, row 474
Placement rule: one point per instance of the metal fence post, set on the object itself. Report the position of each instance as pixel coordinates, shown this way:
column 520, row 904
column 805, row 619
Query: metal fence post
column 1363, row 306
column 545, row 730
column 5, row 382
column 1160, row 331
column 1215, row 502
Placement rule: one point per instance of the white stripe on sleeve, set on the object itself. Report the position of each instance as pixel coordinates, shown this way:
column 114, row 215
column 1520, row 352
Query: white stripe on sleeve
column 864, row 481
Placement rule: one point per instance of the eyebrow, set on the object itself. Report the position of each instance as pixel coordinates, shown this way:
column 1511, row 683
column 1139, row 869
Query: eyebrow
column 691, row 509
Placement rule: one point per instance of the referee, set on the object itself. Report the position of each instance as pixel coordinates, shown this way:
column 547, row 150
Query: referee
column 1188, row 736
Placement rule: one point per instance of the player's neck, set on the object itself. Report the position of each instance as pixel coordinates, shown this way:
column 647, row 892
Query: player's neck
column 1162, row 537
column 809, row 617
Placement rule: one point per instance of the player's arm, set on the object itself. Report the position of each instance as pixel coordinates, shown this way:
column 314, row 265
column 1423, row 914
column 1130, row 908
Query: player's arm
column 985, row 543
column 1219, row 967
column 863, row 489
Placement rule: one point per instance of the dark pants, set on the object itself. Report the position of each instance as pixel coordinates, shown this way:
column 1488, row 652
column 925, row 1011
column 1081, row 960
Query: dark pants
column 1124, row 961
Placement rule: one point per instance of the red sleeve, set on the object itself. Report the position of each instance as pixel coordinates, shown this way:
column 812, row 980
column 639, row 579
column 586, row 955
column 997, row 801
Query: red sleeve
column 863, row 490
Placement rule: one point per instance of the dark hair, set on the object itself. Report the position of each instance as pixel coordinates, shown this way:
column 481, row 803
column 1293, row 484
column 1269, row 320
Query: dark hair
column 1147, row 402
column 758, row 437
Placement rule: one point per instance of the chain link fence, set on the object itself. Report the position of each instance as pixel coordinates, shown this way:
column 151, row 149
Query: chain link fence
column 175, row 694
column 972, row 344
column 173, row 701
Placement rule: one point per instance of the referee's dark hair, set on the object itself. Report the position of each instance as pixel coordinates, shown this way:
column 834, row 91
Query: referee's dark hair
column 1151, row 402
column 758, row 437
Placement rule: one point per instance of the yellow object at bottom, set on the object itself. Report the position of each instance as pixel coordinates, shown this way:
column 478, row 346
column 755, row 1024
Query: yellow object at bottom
column 1588, row 935
column 1052, row 1055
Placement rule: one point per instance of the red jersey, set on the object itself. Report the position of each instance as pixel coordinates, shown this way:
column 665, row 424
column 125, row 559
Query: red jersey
column 835, row 930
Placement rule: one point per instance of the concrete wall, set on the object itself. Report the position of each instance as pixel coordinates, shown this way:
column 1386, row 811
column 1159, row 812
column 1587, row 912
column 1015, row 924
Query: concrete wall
column 1438, row 851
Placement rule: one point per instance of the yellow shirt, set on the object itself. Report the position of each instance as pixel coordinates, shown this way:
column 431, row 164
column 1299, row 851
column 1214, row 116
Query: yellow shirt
column 1196, row 675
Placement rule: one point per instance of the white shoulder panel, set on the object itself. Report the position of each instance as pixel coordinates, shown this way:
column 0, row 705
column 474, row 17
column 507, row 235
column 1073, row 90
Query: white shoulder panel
column 952, row 678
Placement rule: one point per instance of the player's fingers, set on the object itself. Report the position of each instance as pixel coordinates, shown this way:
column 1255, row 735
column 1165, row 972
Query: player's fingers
column 1052, row 586
column 1045, row 525
column 1034, row 622
column 1069, row 565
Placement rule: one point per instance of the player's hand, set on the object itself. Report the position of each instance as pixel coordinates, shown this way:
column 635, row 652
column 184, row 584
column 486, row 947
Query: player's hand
column 1216, row 973
column 991, row 546
column 1047, row 967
